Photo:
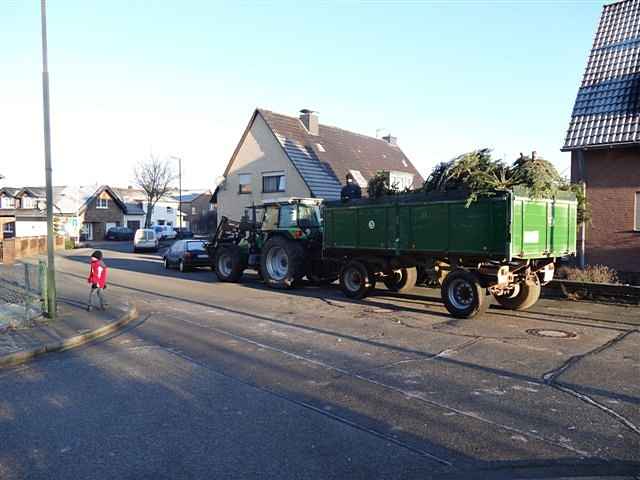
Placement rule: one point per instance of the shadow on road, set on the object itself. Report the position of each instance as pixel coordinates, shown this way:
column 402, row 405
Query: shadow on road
column 135, row 411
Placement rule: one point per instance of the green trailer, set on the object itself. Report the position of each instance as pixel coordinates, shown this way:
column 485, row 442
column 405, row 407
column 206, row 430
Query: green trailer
column 503, row 245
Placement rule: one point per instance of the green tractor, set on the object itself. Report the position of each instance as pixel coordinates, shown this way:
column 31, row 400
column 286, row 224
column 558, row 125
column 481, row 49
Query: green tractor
column 280, row 239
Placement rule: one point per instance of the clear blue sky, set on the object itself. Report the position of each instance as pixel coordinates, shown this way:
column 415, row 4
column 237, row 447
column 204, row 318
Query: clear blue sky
column 182, row 78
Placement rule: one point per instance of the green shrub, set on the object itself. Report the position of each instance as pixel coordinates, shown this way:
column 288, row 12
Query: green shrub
column 592, row 273
column 378, row 186
column 69, row 244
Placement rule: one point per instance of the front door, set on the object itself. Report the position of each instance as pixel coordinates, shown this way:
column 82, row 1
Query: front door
column 86, row 231
column 133, row 224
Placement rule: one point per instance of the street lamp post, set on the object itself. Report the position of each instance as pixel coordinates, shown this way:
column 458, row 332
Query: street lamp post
column 179, row 192
column 51, row 278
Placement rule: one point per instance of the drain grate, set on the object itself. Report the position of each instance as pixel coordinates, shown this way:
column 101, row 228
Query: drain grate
column 546, row 333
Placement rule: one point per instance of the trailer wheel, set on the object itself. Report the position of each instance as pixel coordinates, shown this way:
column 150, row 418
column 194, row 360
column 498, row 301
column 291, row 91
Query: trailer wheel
column 524, row 295
column 356, row 281
column 227, row 263
column 463, row 295
column 282, row 262
column 401, row 280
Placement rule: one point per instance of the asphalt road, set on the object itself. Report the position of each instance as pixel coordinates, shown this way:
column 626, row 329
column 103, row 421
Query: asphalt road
column 238, row 381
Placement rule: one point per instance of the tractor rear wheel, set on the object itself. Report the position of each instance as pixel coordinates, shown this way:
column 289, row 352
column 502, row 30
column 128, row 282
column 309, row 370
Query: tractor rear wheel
column 282, row 262
column 401, row 280
column 524, row 295
column 227, row 263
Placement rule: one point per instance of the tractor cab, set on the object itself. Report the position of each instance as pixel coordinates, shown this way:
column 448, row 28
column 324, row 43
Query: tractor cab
column 297, row 218
column 281, row 239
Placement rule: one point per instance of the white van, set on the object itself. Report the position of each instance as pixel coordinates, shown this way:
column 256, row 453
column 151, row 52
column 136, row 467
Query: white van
column 145, row 239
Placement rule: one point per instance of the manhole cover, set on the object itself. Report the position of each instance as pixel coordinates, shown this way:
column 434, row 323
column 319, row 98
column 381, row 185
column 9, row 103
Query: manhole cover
column 541, row 332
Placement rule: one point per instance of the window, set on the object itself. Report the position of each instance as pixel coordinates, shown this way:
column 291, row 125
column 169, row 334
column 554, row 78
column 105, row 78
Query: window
column 636, row 225
column 294, row 215
column 193, row 210
column 244, row 180
column 270, row 220
column 7, row 202
column 102, row 203
column 28, row 202
column 169, row 210
column 195, row 246
column 273, row 182
column 160, row 222
column 9, row 230
column 288, row 216
column 401, row 180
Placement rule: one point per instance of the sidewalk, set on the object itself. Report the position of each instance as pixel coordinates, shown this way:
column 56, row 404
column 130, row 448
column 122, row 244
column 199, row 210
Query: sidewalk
column 73, row 327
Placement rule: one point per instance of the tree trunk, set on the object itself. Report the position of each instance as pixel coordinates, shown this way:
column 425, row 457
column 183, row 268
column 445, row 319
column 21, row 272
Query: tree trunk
column 147, row 221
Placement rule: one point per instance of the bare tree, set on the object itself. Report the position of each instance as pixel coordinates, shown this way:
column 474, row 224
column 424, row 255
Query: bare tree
column 154, row 176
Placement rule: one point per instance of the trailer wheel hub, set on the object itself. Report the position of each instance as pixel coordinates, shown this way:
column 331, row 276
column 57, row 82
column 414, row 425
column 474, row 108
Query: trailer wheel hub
column 461, row 293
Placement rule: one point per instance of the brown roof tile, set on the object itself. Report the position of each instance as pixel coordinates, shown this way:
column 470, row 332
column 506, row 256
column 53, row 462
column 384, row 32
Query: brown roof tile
column 337, row 149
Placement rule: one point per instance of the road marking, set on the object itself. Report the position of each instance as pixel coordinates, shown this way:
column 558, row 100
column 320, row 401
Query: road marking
column 408, row 394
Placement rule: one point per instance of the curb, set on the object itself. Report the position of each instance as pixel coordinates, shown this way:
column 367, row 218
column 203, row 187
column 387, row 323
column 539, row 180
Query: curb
column 560, row 288
column 23, row 356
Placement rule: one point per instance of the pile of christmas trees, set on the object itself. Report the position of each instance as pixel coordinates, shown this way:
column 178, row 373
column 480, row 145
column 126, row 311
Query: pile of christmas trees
column 479, row 174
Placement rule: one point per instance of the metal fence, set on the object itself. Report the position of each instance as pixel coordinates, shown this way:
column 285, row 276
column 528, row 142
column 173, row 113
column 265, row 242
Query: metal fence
column 22, row 290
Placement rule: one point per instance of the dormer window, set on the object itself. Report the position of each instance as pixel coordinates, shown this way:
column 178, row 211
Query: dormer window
column 102, row 203
column 27, row 202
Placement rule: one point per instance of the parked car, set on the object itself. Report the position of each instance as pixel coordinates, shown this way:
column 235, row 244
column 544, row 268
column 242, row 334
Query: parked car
column 145, row 239
column 183, row 233
column 119, row 233
column 164, row 232
column 186, row 254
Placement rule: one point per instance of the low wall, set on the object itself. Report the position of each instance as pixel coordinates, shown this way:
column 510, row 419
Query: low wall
column 16, row 248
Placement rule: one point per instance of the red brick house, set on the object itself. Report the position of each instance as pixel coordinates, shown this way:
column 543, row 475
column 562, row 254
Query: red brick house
column 604, row 139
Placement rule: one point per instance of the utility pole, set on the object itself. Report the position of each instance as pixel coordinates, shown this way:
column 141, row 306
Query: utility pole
column 179, row 192
column 51, row 271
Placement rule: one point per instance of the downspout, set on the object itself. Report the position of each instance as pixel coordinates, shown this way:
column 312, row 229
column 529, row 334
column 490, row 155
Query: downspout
column 581, row 177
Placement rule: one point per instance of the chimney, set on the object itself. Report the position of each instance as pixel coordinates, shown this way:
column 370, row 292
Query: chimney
column 309, row 119
column 390, row 140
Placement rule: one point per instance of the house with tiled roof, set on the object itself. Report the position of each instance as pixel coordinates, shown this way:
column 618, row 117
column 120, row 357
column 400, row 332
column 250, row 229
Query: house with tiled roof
column 280, row 156
column 79, row 211
column 604, row 139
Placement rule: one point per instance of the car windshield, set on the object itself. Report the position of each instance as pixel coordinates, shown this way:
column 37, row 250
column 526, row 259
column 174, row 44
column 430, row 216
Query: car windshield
column 195, row 246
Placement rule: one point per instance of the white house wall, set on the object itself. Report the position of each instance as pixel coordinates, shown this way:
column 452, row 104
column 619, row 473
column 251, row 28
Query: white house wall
column 160, row 213
column 30, row 228
column 259, row 153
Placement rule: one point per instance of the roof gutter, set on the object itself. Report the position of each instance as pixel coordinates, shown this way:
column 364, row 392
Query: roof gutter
column 602, row 146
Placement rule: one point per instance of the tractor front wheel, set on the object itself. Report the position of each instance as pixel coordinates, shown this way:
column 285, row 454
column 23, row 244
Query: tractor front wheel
column 227, row 263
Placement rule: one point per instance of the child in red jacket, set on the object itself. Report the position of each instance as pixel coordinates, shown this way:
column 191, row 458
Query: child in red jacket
column 97, row 279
